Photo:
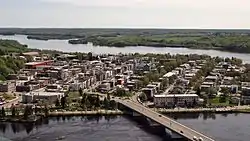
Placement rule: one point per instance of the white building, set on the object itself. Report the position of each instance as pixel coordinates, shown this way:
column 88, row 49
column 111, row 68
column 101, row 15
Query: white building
column 50, row 97
column 171, row 99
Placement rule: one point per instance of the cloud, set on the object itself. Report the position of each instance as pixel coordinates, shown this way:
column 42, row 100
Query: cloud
column 209, row 4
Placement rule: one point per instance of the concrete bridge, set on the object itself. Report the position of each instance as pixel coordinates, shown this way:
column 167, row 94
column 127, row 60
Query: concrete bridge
column 165, row 121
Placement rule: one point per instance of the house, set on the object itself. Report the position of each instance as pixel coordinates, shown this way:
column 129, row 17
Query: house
column 149, row 92
column 245, row 97
column 53, row 88
column 105, row 87
column 175, row 99
column 7, row 86
column 211, row 78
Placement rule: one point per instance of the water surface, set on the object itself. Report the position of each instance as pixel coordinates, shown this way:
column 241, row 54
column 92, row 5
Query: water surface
column 62, row 45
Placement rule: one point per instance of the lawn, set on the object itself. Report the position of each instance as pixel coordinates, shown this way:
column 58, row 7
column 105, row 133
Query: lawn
column 216, row 102
column 7, row 96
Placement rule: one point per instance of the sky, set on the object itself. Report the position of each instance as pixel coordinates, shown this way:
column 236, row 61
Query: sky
column 125, row 13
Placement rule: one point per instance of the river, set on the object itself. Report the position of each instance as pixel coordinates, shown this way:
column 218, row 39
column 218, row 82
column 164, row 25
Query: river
column 222, row 127
column 62, row 45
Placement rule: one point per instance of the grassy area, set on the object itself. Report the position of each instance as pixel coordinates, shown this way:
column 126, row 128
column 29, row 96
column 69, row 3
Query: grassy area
column 7, row 96
column 216, row 102
column 73, row 96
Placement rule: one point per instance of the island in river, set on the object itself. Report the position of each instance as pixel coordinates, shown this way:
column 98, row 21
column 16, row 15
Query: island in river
column 225, row 40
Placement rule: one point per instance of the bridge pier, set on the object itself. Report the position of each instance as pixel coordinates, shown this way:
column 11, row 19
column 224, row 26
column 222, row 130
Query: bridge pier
column 173, row 135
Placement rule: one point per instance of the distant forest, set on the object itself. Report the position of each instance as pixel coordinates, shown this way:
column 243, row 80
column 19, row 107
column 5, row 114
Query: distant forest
column 226, row 40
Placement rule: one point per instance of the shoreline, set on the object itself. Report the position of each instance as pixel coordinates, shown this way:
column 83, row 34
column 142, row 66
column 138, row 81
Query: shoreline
column 207, row 110
column 40, row 117
column 77, row 41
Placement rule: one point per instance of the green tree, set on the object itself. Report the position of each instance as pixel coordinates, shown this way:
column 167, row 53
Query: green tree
column 106, row 103
column 145, row 81
column 143, row 97
column 113, row 105
column 108, row 97
column 98, row 102
column 63, row 102
column 80, row 91
column 57, row 104
column 46, row 111
column 13, row 111
column 198, row 92
column 3, row 112
column 27, row 112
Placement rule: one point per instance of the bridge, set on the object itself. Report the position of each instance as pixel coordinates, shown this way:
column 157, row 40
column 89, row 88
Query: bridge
column 165, row 121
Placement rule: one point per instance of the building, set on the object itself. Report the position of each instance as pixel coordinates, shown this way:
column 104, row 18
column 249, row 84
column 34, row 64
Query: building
column 7, row 86
column 245, row 95
column 53, row 88
column 41, row 96
column 175, row 99
column 33, row 65
column 211, row 78
column 149, row 92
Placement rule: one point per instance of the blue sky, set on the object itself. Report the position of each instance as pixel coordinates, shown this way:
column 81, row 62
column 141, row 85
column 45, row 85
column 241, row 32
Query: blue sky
column 125, row 13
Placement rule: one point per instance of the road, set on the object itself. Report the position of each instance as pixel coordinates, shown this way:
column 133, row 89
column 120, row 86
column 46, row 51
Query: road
column 167, row 122
column 11, row 102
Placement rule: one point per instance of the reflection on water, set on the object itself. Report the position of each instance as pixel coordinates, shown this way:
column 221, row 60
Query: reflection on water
column 96, row 128
column 222, row 127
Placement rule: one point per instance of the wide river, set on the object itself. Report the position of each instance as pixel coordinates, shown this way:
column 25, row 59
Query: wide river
column 62, row 45
column 222, row 127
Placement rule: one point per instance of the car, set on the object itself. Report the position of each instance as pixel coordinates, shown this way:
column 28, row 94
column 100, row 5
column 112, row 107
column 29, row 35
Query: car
column 159, row 115
column 200, row 139
column 195, row 138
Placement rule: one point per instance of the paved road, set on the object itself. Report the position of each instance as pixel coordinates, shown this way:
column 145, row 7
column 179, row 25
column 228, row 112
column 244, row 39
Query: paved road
column 167, row 122
column 9, row 104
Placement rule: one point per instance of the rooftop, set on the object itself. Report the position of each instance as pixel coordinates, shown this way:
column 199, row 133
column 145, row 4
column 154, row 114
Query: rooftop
column 176, row 95
column 44, row 93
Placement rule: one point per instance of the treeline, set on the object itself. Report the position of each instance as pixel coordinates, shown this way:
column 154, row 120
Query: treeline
column 228, row 42
column 11, row 46
column 9, row 65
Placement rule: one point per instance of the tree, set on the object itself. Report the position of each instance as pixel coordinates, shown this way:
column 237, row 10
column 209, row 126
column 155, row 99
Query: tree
column 3, row 112
column 46, row 111
column 143, row 97
column 63, row 102
column 106, row 103
column 194, row 103
column 186, row 104
column 13, row 111
column 90, row 56
column 223, row 98
column 27, row 112
column 145, row 81
column 205, row 102
column 108, row 97
column 198, row 92
column 80, row 91
column 57, row 104
column 98, row 102
column 113, row 105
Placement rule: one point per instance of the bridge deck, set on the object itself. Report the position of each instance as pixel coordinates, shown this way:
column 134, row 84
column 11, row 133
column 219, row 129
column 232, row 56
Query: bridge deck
column 165, row 121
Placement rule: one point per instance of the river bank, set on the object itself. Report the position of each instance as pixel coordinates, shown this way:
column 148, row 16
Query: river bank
column 238, row 109
column 86, row 113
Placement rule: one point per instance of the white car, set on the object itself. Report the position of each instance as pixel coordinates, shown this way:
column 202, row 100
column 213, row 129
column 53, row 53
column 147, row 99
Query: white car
column 200, row 139
column 195, row 138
